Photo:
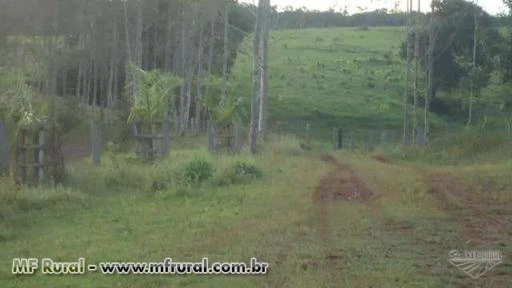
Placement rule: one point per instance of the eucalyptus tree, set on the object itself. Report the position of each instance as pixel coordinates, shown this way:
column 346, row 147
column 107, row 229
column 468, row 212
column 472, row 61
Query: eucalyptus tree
column 407, row 74
column 451, row 39
column 263, row 117
column 256, row 78
column 415, row 109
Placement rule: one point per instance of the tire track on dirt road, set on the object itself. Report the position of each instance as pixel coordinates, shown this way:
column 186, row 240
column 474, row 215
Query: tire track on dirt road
column 341, row 184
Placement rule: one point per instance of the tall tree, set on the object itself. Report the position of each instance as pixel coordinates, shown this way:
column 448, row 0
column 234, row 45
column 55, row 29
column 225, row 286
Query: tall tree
column 225, row 53
column 407, row 70
column 263, row 117
column 133, row 81
column 256, row 79
column 430, row 70
column 200, row 78
column 453, row 46
column 415, row 109
column 473, row 67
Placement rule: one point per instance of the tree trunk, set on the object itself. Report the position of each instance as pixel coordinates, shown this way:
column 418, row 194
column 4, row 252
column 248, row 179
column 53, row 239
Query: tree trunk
column 190, row 68
column 169, row 38
column 65, row 82
column 226, row 55
column 155, row 37
column 263, row 120
column 473, row 67
column 138, row 38
column 95, row 88
column 508, row 122
column 200, row 76
column 115, row 96
column 87, row 81
column 79, row 80
column 416, row 74
column 211, row 46
column 256, row 78
column 407, row 69
column 101, row 94
column 53, row 80
column 430, row 76
column 188, row 83
column 110, row 82
column 133, row 85
column 183, row 120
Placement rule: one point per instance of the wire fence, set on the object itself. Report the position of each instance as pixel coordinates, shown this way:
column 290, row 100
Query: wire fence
column 337, row 135
column 327, row 135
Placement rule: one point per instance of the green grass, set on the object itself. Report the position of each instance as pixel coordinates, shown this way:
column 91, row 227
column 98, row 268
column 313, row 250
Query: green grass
column 399, row 238
column 341, row 76
column 463, row 148
column 262, row 206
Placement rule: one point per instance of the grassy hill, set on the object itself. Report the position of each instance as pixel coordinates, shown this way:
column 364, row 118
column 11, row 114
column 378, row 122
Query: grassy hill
column 343, row 76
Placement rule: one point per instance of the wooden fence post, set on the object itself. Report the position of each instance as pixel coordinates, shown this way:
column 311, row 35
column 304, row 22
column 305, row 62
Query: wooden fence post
column 167, row 137
column 236, row 137
column 154, row 140
column 211, row 136
column 308, row 134
column 338, row 138
column 41, row 165
column 21, row 157
column 384, row 137
column 96, row 127
column 4, row 150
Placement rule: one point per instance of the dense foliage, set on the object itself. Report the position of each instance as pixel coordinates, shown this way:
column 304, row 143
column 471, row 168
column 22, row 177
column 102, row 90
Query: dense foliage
column 153, row 94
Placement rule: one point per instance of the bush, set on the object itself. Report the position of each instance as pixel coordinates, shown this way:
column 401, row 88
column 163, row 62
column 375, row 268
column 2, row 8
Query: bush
column 241, row 171
column 197, row 171
column 246, row 168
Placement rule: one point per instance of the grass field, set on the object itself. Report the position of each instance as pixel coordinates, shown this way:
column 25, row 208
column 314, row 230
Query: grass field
column 306, row 216
column 321, row 218
column 346, row 76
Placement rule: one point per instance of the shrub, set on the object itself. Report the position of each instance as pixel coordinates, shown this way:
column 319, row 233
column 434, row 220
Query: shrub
column 246, row 168
column 197, row 171
column 154, row 88
column 241, row 171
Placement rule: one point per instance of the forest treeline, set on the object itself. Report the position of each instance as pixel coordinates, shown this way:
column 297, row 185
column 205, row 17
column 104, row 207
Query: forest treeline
column 92, row 51
column 300, row 18
column 83, row 49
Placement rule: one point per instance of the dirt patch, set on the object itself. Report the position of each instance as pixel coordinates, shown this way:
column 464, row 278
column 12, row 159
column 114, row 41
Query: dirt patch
column 381, row 158
column 75, row 151
column 340, row 184
column 480, row 220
